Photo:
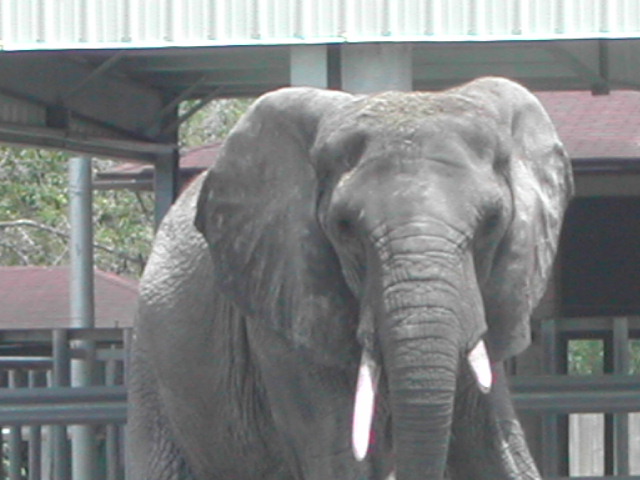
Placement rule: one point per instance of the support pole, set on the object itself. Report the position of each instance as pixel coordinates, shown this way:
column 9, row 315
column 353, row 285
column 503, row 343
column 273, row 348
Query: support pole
column 165, row 184
column 81, row 238
column 35, row 380
column 620, row 422
column 309, row 66
column 82, row 305
column 370, row 68
column 60, row 446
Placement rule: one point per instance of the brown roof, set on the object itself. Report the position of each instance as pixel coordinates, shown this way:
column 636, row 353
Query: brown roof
column 38, row 297
column 140, row 175
column 596, row 127
column 600, row 132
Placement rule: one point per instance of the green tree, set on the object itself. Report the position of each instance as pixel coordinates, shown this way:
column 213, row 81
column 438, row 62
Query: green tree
column 586, row 357
column 213, row 122
column 34, row 226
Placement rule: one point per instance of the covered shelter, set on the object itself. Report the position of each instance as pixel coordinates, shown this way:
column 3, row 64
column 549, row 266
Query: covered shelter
column 38, row 298
column 107, row 78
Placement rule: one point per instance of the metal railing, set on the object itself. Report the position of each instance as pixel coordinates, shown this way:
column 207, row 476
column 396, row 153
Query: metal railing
column 37, row 405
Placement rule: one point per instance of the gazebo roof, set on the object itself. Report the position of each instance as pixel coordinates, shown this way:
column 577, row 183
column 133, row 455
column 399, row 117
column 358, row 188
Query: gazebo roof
column 603, row 127
column 599, row 131
column 38, row 297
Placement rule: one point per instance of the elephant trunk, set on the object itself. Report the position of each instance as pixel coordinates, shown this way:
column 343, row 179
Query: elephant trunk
column 421, row 343
column 421, row 365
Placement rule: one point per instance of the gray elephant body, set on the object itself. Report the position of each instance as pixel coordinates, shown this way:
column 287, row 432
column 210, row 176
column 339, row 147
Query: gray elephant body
column 401, row 228
column 185, row 418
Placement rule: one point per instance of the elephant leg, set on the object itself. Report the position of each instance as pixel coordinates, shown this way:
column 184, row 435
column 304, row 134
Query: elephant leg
column 487, row 439
column 311, row 408
column 151, row 453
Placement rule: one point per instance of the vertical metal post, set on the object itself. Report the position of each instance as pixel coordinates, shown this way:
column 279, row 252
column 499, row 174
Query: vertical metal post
column 61, row 377
column 621, row 366
column 112, row 431
column 35, row 434
column 81, row 242
column 165, row 184
column 82, row 303
column 550, row 431
column 15, row 435
column 127, row 344
column 127, row 339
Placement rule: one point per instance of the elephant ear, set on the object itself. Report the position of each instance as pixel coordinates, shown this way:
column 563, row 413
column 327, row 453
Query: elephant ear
column 257, row 210
column 538, row 171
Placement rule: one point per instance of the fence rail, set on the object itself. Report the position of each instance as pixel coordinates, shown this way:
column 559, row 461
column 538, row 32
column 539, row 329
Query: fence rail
column 103, row 404
column 39, row 405
column 39, row 409
column 63, row 406
column 566, row 394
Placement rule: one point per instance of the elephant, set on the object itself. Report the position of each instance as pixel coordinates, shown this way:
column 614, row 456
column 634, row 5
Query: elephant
column 336, row 296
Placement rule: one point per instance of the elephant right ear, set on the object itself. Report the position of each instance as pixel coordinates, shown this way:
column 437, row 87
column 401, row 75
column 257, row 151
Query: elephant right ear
column 538, row 172
column 257, row 210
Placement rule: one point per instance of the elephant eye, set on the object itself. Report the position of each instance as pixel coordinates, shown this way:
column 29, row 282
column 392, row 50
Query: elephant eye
column 492, row 221
column 344, row 227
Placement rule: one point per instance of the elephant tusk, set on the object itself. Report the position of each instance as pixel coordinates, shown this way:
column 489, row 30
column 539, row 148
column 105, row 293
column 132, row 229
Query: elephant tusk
column 481, row 367
column 363, row 411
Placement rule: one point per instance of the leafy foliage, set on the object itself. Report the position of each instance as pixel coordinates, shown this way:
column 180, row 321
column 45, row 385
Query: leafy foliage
column 213, row 122
column 586, row 357
column 34, row 221
column 34, row 226
column 634, row 346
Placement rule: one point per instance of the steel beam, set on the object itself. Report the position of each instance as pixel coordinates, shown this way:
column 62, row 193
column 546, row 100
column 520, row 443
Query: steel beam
column 126, row 105
column 60, row 139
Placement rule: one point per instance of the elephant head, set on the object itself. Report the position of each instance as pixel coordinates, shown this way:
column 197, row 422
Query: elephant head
column 408, row 230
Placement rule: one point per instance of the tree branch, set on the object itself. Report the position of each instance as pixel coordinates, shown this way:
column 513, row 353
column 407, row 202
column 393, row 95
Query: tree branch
column 54, row 231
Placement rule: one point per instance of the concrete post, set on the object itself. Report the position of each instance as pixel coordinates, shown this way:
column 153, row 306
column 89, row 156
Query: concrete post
column 370, row 68
column 308, row 66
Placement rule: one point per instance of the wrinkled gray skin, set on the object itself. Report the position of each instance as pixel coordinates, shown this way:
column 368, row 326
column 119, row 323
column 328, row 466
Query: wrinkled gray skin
column 405, row 225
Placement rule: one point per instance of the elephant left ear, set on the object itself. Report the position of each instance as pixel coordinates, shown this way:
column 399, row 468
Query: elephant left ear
column 540, row 177
column 257, row 211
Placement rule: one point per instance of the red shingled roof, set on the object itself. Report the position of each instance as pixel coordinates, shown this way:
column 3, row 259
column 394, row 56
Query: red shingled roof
column 38, row 297
column 596, row 127
column 593, row 128
column 140, row 175
column 598, row 131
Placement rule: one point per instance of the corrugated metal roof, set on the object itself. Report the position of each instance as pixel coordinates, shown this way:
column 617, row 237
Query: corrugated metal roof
column 67, row 24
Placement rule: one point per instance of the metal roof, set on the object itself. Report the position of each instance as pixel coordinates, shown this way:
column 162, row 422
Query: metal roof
column 72, row 24
column 105, row 77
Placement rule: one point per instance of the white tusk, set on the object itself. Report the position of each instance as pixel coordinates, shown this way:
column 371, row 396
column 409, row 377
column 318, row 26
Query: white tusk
column 481, row 367
column 363, row 410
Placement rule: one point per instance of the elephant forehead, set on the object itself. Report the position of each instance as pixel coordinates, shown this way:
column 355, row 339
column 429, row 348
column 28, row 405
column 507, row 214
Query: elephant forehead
column 413, row 108
column 396, row 125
